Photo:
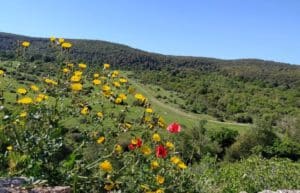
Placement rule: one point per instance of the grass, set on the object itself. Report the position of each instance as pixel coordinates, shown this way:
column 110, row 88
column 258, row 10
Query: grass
column 173, row 112
column 164, row 105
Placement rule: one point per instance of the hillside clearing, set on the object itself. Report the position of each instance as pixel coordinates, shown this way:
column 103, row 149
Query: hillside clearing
column 190, row 119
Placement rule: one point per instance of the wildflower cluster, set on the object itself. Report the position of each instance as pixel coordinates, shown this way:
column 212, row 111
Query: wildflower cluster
column 123, row 145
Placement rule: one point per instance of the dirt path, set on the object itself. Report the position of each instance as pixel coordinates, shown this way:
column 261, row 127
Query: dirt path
column 180, row 112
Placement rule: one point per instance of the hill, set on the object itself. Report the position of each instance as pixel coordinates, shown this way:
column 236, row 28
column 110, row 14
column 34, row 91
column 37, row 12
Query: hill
column 96, row 52
column 99, row 129
column 243, row 90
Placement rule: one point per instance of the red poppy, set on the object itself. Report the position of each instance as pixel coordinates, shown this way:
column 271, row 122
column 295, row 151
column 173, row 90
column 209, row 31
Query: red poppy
column 138, row 143
column 174, row 128
column 161, row 151
column 131, row 146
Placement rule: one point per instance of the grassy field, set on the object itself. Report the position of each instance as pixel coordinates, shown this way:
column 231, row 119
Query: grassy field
column 173, row 111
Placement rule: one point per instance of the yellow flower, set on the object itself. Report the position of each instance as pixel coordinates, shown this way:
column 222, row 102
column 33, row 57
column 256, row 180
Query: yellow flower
column 139, row 97
column 22, row 91
column 123, row 80
column 61, row 40
column 116, row 84
column 105, row 88
column 128, row 125
column 147, row 119
column 25, row 101
column 76, row 87
column 118, row 100
column 66, row 45
column 100, row 140
column 25, row 44
column 146, row 150
column 107, row 93
column 1, row 72
column 106, row 166
column 175, row 160
column 160, row 179
column 9, row 148
column 122, row 96
column 84, row 111
column 82, row 66
column 154, row 164
column 156, row 137
column 115, row 74
column 75, row 78
column 150, row 126
column 34, row 88
column 44, row 97
column 106, row 66
column 41, row 97
column 96, row 82
column 100, row 114
column 77, row 73
column 23, row 114
column 49, row 81
column 52, row 39
column 182, row 165
column 70, row 65
column 96, row 75
column 161, row 122
column 38, row 99
column 118, row 148
column 149, row 110
column 66, row 70
column 134, row 141
column 169, row 145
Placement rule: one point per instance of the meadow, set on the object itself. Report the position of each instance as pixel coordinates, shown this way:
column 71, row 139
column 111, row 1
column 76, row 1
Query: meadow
column 100, row 129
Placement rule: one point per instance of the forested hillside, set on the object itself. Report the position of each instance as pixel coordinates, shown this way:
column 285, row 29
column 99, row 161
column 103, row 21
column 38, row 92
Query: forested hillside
column 68, row 117
column 97, row 52
column 237, row 90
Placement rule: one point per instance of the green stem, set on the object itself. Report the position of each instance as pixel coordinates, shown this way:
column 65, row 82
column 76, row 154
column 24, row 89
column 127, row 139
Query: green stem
column 93, row 164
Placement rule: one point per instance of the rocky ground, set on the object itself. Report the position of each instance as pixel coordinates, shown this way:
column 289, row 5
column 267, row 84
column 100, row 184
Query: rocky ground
column 18, row 185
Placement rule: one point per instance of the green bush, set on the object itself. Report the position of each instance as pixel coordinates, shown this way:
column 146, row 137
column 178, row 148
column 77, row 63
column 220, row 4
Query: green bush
column 284, row 147
column 255, row 174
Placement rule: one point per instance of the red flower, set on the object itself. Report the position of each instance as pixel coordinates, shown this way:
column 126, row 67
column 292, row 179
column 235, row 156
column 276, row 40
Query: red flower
column 135, row 143
column 131, row 146
column 161, row 151
column 174, row 128
column 139, row 142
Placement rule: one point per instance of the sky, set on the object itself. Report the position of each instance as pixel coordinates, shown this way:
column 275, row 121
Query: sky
column 228, row 29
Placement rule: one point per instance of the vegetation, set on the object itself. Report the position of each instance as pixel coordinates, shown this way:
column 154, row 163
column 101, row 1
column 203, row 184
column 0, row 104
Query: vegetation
column 99, row 129
column 227, row 98
column 96, row 53
column 251, row 175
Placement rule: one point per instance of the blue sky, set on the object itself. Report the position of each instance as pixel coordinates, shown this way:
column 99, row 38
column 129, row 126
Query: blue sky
column 230, row 29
